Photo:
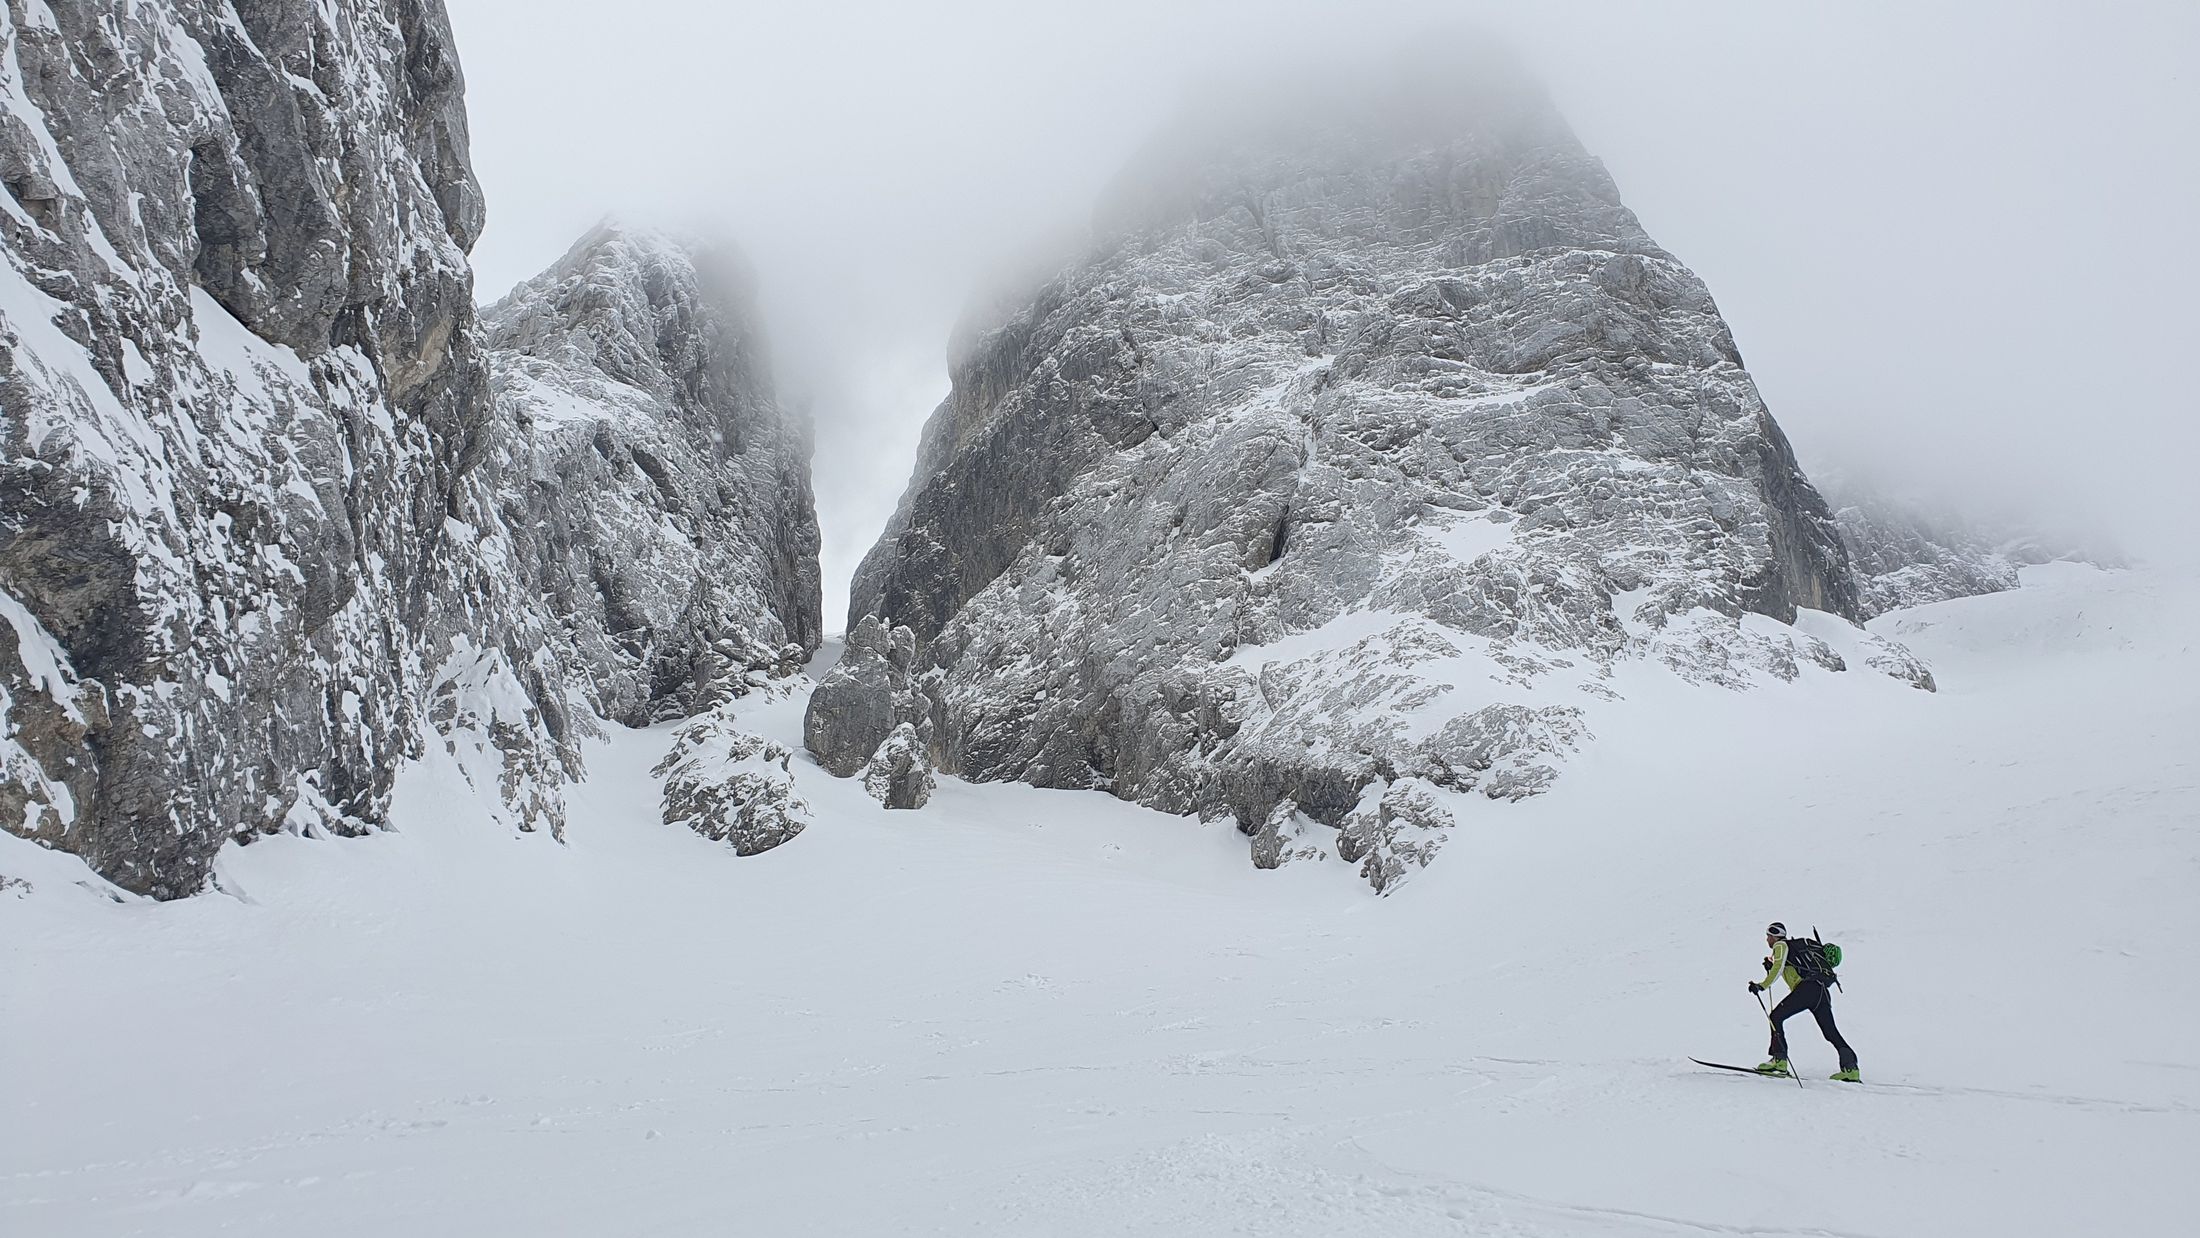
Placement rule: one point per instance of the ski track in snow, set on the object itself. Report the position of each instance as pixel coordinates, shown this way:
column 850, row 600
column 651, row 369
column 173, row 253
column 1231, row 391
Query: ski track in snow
column 1034, row 1012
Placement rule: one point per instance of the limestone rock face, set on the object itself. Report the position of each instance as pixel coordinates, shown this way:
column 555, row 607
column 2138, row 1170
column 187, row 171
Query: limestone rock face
column 241, row 392
column 863, row 699
column 655, row 496
column 267, row 527
column 1339, row 479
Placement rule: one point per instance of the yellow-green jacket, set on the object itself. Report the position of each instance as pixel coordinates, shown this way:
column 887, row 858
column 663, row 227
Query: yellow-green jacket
column 1780, row 968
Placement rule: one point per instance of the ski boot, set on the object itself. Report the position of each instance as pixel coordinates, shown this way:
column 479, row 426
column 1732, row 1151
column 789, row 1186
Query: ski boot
column 1777, row 1066
column 1851, row 1075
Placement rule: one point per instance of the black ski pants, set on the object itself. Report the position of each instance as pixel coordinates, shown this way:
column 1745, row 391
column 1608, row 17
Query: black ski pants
column 1810, row 995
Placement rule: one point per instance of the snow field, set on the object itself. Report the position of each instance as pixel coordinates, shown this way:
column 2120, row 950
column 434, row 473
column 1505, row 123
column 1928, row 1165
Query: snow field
column 1029, row 1012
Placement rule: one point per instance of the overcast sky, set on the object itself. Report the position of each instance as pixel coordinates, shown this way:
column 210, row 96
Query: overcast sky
column 1956, row 242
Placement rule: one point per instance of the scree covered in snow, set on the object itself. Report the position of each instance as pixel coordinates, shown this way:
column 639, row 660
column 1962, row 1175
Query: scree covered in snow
column 1021, row 1011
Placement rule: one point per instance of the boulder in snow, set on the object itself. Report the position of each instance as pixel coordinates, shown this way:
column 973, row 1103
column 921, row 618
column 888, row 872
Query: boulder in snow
column 898, row 775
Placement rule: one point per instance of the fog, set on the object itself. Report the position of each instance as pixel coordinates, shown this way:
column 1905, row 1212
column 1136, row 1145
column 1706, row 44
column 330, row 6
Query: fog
column 1956, row 247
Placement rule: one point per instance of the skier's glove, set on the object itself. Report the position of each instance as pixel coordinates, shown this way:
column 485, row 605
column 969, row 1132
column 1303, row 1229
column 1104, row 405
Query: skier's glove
column 1755, row 987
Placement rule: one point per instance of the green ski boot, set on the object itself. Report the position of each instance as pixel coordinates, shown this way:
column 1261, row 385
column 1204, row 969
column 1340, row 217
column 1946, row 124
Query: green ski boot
column 1777, row 1066
column 1851, row 1075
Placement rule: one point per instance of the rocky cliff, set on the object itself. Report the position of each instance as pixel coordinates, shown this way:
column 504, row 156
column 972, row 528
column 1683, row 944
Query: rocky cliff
column 651, row 507
column 265, row 532
column 1343, row 475
column 659, row 497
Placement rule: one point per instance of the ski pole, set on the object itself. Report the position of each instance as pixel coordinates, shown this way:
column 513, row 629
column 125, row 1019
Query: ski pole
column 1760, row 996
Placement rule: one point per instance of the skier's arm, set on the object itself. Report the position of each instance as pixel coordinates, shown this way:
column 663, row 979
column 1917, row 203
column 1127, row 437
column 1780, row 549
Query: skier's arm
column 1779, row 963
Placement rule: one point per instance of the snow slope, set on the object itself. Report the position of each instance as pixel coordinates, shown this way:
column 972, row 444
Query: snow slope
column 1027, row 1012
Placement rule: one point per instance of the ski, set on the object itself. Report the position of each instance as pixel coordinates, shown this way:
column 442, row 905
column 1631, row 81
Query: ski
column 1744, row 1070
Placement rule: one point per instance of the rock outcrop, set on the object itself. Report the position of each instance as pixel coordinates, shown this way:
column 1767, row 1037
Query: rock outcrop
column 263, row 532
column 1910, row 553
column 731, row 786
column 899, row 775
column 864, row 698
column 655, row 499
column 868, row 717
column 1369, row 442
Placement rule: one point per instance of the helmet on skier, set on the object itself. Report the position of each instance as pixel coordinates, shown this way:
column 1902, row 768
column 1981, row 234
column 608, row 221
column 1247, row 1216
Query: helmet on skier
column 1777, row 931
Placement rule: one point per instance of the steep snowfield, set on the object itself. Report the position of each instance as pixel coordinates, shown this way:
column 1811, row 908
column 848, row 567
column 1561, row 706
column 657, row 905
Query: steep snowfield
column 1039, row 1012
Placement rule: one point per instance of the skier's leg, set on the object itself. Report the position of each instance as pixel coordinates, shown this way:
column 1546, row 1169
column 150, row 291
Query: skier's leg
column 1824, row 1012
column 1795, row 1003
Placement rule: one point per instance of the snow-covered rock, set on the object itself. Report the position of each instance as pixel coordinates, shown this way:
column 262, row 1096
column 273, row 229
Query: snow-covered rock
column 731, row 785
column 240, row 384
column 1396, row 827
column 264, row 532
column 656, row 499
column 899, row 775
column 1913, row 553
column 1372, row 437
column 867, row 695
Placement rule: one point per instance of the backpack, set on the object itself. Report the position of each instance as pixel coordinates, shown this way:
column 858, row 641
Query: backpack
column 1813, row 959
